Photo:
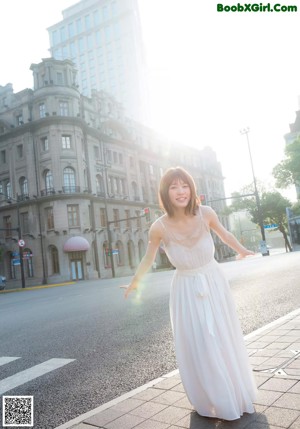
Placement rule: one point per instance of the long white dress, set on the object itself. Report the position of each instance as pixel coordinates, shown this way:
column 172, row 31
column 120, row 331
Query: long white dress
column 211, row 355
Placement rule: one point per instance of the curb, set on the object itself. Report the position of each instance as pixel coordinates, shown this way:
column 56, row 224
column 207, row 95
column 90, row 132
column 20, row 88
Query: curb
column 37, row 287
column 133, row 392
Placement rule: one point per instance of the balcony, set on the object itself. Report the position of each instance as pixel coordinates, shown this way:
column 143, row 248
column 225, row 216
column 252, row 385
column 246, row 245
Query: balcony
column 48, row 191
column 71, row 189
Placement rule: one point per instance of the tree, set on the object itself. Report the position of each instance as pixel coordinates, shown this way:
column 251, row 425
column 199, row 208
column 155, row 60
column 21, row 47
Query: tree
column 273, row 206
column 287, row 172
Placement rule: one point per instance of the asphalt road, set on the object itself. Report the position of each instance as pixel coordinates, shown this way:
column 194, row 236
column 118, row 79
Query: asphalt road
column 111, row 345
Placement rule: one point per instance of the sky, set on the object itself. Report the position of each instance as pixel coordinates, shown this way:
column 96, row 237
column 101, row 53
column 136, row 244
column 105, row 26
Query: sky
column 211, row 75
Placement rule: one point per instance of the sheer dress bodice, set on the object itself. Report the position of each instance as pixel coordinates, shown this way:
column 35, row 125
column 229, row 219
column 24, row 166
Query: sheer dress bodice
column 188, row 251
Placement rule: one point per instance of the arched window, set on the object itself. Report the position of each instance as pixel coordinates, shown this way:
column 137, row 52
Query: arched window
column 54, row 259
column 106, row 256
column 69, row 180
column 141, row 247
column 131, row 253
column 48, row 181
column 120, row 255
column 23, row 182
column 27, row 261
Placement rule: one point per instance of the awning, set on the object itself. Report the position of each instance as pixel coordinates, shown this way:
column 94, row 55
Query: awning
column 76, row 244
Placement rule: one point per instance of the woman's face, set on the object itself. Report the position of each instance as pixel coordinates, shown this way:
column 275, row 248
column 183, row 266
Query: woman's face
column 179, row 194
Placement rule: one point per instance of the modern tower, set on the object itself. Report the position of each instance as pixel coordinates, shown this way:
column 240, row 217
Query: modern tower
column 103, row 38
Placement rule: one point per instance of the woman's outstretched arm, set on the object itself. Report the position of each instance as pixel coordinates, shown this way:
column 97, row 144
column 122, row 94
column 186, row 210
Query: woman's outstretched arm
column 147, row 260
column 226, row 236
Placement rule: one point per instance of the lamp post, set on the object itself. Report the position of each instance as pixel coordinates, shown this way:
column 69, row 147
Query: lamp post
column 245, row 131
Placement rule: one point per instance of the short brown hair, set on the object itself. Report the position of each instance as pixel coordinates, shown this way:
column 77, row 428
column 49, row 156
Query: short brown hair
column 177, row 173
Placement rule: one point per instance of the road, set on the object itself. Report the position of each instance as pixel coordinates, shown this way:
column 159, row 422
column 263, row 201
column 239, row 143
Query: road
column 107, row 346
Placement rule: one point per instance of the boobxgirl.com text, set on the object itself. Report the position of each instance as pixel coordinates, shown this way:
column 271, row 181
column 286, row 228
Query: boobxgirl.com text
column 256, row 7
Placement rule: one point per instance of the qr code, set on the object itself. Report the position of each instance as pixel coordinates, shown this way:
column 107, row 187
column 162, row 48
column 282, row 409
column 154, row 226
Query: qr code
column 17, row 411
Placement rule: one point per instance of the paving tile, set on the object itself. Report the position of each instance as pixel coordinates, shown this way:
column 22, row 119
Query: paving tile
column 277, row 346
column 257, row 360
column 184, row 403
column 292, row 371
column 167, row 384
column 267, row 397
column 194, row 421
column 148, row 394
column 257, row 345
column 274, row 362
column 104, row 417
column 152, row 424
column 265, row 352
column 148, row 409
column 179, row 388
column 278, row 384
column 278, row 417
column 270, row 338
column 83, row 426
column 169, row 397
column 261, row 378
column 127, row 405
column 295, row 388
column 295, row 364
column 287, row 339
column 128, row 421
column 171, row 415
column 296, row 424
column 288, row 400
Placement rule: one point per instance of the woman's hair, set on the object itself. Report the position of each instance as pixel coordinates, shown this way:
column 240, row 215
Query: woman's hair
column 171, row 175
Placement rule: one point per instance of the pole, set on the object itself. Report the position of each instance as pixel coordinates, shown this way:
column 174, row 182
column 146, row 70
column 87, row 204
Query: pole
column 259, row 210
column 20, row 247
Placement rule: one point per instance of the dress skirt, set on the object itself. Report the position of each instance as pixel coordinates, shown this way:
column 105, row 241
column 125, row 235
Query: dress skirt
column 211, row 355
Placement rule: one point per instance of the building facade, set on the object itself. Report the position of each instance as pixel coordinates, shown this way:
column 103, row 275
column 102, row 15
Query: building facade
column 75, row 176
column 103, row 38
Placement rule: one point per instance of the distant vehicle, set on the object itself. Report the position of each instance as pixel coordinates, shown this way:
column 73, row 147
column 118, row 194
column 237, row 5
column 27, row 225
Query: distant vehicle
column 2, row 282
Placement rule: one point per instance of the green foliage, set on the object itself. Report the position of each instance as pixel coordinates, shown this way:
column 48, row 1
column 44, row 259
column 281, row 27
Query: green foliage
column 287, row 172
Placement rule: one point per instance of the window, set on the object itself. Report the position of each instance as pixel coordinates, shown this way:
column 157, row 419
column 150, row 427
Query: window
column 78, row 26
column 97, row 152
column 23, row 182
column 44, row 144
column 96, row 18
column 49, row 217
column 42, row 109
column 103, row 217
column 106, row 255
column 28, row 265
column 60, row 80
column 48, row 181
column 54, row 259
column 116, row 218
column 19, row 119
column 138, row 220
column 120, row 158
column 20, row 151
column 128, row 221
column 7, row 189
column 3, row 156
column 115, row 157
column 66, row 142
column 81, row 45
column 87, row 20
column 73, row 215
column 64, row 108
column 24, row 222
column 100, row 185
column 7, row 225
column 71, row 29
column 69, row 180
column 62, row 34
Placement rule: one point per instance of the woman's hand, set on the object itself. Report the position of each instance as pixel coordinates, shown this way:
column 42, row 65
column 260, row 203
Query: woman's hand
column 129, row 288
column 244, row 254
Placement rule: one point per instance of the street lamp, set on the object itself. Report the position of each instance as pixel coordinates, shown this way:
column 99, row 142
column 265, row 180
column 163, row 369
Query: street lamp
column 245, row 131
column 18, row 229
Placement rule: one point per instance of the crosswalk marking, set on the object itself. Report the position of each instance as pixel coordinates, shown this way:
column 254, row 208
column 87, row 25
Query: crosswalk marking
column 7, row 359
column 29, row 374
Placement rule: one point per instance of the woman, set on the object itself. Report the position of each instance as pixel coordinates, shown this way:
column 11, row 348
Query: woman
column 210, row 351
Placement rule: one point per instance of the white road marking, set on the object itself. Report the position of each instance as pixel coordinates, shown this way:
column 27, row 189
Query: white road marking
column 7, row 359
column 29, row 374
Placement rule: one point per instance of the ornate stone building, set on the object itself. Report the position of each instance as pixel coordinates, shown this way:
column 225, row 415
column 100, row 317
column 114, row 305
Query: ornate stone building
column 75, row 175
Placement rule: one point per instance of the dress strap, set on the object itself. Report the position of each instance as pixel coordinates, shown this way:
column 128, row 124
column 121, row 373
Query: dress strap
column 203, row 220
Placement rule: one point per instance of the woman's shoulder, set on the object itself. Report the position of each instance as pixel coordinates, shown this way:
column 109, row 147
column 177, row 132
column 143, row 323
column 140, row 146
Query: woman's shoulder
column 206, row 212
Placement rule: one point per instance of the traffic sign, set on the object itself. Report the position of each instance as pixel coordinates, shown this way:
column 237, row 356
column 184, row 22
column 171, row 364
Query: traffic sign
column 21, row 243
column 271, row 226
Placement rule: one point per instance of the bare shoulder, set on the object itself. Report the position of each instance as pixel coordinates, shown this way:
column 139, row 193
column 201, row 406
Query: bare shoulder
column 156, row 229
column 208, row 213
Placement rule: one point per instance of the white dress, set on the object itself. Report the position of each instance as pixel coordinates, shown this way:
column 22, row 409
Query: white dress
column 210, row 350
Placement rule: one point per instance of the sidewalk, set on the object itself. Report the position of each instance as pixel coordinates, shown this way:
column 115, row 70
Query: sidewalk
column 274, row 352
